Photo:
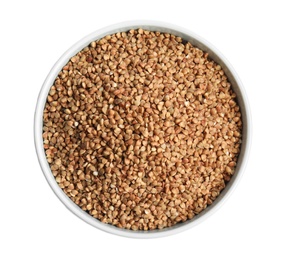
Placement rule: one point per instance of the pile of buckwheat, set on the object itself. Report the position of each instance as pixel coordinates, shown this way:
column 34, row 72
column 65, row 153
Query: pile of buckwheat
column 142, row 130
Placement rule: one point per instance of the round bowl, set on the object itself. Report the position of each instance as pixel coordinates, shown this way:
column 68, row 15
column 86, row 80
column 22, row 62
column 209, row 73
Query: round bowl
column 194, row 40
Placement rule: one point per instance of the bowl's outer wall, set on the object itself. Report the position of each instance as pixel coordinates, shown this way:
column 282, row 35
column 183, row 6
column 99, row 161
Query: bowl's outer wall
column 194, row 40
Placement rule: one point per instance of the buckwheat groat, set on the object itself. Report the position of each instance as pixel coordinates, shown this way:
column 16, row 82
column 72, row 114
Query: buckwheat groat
column 142, row 130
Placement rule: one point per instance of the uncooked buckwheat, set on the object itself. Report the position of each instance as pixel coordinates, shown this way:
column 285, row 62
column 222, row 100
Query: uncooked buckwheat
column 142, row 130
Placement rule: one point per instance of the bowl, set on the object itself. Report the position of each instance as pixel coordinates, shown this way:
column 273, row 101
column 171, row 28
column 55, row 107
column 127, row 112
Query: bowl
column 194, row 40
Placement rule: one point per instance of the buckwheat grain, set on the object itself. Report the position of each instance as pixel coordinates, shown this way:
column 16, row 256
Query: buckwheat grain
column 142, row 130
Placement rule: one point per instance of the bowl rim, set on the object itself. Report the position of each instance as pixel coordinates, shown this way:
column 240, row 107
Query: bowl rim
column 38, row 123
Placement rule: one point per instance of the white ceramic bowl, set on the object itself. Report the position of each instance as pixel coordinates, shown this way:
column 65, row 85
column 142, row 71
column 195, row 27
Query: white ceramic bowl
column 213, row 54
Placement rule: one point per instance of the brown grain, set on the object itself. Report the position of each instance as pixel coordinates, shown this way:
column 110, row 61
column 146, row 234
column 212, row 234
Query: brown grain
column 141, row 130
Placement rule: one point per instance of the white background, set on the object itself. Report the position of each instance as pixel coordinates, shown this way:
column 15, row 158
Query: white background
column 34, row 223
